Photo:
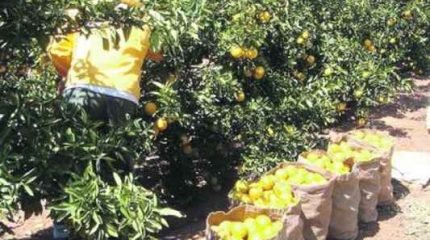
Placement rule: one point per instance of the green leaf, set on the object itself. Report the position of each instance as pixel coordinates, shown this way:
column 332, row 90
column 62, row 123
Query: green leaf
column 117, row 178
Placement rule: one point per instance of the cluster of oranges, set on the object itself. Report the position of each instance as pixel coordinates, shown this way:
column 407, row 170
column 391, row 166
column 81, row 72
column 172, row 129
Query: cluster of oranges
column 368, row 44
column 340, row 152
column 161, row 124
column 260, row 227
column 275, row 190
column 238, row 52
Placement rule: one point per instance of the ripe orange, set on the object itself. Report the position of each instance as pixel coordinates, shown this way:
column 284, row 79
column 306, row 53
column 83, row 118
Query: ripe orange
column 391, row 22
column 240, row 96
column 251, row 53
column 259, row 72
column 372, row 49
column 265, row 17
column 407, row 14
column 306, row 34
column 300, row 40
column 255, row 193
column 328, row 72
column 161, row 124
column 358, row 93
column 368, row 43
column 236, row 52
column 150, row 108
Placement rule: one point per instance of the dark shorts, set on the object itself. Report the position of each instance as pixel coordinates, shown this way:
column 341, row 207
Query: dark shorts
column 101, row 107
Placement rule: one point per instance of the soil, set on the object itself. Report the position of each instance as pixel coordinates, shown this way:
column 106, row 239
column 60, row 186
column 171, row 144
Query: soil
column 407, row 219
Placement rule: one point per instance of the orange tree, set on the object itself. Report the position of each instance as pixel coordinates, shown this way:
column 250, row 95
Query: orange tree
column 245, row 85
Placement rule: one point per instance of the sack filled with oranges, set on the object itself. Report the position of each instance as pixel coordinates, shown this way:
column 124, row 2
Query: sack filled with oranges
column 367, row 163
column 346, row 193
column 313, row 187
column 383, row 143
column 246, row 223
column 273, row 194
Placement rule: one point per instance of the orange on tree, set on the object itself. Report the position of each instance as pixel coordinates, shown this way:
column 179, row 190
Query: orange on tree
column 328, row 72
column 259, row 72
column 265, row 16
column 393, row 41
column 161, row 124
column 236, row 52
column 305, row 34
column 358, row 93
column 251, row 53
column 407, row 15
column 368, row 43
column 372, row 49
column 300, row 40
column 240, row 96
column 391, row 22
column 150, row 108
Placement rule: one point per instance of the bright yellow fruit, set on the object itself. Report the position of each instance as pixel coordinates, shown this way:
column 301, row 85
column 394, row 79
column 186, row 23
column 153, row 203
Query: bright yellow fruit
column 239, row 230
column 306, row 34
column 300, row 40
column 267, row 182
column 368, row 43
column 281, row 174
column 265, row 17
column 259, row 72
column 263, row 221
column 161, row 124
column 240, row 96
column 241, row 186
column 255, row 193
column 251, row 53
column 236, row 52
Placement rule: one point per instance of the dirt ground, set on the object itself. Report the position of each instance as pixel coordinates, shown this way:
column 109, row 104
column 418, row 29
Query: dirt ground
column 408, row 219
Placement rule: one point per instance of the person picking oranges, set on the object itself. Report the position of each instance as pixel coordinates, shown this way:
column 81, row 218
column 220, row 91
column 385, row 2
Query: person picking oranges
column 102, row 75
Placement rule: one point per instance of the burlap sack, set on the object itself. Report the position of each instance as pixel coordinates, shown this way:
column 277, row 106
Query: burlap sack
column 346, row 201
column 242, row 212
column 369, row 180
column 293, row 222
column 316, row 202
column 370, row 186
column 385, row 196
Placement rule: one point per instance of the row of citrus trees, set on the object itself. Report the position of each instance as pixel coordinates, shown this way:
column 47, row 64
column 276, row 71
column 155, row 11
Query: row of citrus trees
column 244, row 85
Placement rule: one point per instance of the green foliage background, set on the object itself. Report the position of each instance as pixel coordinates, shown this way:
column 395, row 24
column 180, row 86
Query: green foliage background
column 48, row 150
